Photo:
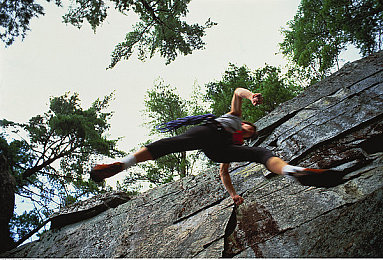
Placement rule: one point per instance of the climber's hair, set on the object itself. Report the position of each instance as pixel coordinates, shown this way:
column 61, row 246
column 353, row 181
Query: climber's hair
column 255, row 130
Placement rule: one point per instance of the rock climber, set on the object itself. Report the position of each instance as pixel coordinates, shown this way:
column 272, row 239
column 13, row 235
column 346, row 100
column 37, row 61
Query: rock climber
column 220, row 139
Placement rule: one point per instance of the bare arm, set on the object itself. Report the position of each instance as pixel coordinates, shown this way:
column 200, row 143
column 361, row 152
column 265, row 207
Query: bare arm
column 226, row 180
column 239, row 94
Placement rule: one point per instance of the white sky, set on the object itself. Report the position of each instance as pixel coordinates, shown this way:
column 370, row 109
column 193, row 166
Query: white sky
column 55, row 58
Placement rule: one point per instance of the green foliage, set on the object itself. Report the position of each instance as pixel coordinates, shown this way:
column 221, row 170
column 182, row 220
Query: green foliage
column 160, row 27
column 163, row 104
column 274, row 87
column 25, row 222
column 128, row 188
column 50, row 155
column 321, row 29
column 220, row 93
column 15, row 17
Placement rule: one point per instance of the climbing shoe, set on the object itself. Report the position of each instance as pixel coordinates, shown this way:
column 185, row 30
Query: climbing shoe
column 318, row 177
column 307, row 172
column 103, row 171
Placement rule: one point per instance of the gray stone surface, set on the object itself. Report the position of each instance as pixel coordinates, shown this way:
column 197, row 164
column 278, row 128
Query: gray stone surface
column 336, row 123
column 86, row 209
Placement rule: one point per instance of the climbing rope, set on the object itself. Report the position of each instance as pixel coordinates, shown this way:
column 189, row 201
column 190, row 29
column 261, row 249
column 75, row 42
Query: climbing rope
column 188, row 120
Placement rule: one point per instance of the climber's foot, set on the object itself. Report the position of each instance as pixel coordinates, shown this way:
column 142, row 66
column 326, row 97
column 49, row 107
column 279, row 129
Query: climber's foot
column 318, row 177
column 103, row 171
column 308, row 172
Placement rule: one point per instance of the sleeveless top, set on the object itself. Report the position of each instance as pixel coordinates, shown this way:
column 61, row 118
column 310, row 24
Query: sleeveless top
column 231, row 123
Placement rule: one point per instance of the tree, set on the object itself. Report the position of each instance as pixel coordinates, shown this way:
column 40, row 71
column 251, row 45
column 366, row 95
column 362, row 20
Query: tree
column 268, row 80
column 15, row 17
column 50, row 156
column 159, row 29
column 220, row 93
column 321, row 29
column 162, row 104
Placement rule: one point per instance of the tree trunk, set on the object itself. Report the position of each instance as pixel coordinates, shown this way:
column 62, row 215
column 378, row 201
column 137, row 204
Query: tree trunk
column 7, row 204
column 183, row 165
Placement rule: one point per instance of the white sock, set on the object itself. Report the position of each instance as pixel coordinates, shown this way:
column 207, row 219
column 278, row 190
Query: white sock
column 286, row 170
column 128, row 161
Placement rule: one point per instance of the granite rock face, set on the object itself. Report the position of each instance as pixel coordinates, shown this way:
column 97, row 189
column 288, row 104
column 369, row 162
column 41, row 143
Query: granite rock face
column 87, row 209
column 335, row 123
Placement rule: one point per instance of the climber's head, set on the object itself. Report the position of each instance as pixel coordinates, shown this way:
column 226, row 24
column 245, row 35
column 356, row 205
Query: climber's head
column 249, row 130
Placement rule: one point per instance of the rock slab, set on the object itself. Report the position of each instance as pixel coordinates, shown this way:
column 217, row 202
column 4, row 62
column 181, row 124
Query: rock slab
column 335, row 123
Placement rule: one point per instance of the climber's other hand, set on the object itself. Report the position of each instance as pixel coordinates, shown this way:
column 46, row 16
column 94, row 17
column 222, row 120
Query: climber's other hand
column 238, row 200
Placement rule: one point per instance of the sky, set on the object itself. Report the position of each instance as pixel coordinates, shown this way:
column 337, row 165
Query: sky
column 55, row 58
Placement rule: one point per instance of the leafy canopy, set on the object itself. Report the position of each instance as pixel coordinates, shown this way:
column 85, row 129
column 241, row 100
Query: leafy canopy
column 160, row 27
column 321, row 29
column 15, row 16
column 50, row 156
column 163, row 104
column 268, row 80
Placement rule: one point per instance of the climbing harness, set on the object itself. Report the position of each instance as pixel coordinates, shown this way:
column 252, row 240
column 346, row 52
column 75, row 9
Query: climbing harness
column 188, row 120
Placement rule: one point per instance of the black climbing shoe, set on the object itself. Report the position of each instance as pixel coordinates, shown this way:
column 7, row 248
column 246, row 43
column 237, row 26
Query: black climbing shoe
column 318, row 177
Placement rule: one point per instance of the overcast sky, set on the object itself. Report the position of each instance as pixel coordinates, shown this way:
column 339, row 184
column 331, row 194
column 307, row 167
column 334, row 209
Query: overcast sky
column 56, row 58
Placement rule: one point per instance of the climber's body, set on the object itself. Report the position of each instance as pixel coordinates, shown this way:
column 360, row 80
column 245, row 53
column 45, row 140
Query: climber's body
column 215, row 139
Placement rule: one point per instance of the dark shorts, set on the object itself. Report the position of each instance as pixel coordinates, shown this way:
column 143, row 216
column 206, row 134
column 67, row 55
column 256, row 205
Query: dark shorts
column 214, row 141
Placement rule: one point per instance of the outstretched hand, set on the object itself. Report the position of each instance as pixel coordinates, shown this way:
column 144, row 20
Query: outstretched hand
column 256, row 99
column 238, row 200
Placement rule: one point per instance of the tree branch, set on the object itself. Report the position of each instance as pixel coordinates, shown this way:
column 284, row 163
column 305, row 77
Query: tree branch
column 29, row 172
column 31, row 233
column 151, row 11
column 56, row 175
column 37, row 201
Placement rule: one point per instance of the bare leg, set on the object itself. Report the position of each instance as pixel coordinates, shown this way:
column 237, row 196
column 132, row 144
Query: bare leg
column 143, row 155
column 275, row 165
